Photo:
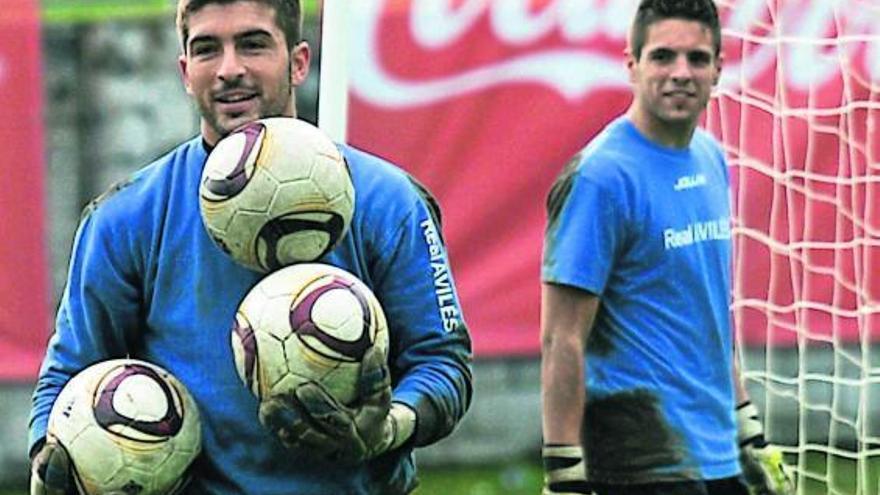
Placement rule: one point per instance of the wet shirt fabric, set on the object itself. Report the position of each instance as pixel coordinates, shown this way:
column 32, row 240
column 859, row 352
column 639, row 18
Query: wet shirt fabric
column 146, row 282
column 647, row 229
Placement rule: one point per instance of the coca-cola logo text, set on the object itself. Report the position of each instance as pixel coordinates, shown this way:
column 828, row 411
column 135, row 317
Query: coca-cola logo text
column 814, row 39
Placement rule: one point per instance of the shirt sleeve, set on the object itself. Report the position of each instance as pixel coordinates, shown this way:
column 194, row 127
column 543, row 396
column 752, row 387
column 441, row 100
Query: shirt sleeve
column 97, row 314
column 430, row 354
column 584, row 229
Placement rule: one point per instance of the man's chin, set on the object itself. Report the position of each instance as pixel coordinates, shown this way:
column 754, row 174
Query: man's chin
column 680, row 117
column 230, row 124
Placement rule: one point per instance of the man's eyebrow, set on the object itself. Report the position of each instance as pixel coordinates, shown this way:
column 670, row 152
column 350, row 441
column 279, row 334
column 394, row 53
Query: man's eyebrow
column 201, row 38
column 253, row 33
column 247, row 34
column 674, row 50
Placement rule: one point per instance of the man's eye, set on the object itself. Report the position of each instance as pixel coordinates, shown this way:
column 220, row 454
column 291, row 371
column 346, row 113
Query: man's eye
column 203, row 49
column 253, row 45
column 661, row 56
column 699, row 58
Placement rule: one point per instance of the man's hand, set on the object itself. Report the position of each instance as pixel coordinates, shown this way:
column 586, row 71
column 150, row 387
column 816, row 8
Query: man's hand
column 762, row 463
column 311, row 419
column 564, row 470
column 50, row 471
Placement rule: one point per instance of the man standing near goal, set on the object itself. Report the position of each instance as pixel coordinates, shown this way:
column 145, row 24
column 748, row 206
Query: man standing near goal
column 636, row 283
column 147, row 282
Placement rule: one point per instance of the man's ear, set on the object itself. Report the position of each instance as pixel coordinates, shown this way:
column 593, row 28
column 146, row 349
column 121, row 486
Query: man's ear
column 300, row 57
column 184, row 73
column 631, row 63
column 719, row 63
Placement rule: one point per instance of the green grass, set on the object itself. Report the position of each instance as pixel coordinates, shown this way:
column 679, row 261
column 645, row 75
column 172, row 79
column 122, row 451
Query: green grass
column 826, row 476
column 513, row 479
column 80, row 11
column 840, row 476
column 516, row 478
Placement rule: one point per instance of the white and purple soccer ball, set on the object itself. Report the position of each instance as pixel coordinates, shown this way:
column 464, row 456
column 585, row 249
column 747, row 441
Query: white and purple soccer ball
column 128, row 426
column 274, row 192
column 306, row 322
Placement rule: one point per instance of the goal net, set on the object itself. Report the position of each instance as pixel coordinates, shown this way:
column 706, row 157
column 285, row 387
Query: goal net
column 797, row 112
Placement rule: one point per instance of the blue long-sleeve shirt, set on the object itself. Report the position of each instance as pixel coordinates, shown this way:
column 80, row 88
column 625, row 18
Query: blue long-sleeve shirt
column 146, row 281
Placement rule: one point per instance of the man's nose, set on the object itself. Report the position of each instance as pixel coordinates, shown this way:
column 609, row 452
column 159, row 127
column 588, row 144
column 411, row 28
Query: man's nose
column 231, row 66
column 681, row 69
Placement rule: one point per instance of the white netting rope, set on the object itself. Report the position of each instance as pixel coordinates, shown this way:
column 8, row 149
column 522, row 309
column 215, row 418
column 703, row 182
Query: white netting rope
column 803, row 130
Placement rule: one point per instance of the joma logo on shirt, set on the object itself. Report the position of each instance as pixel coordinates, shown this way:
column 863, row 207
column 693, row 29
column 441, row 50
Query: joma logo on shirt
column 442, row 282
column 713, row 230
column 690, row 182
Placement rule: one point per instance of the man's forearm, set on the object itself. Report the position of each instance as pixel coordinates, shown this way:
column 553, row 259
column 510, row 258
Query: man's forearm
column 563, row 394
column 567, row 315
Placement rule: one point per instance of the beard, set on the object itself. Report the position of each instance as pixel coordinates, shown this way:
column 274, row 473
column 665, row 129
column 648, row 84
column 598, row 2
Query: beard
column 276, row 105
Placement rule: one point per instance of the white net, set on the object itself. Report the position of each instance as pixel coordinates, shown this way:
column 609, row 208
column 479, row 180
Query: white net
column 797, row 112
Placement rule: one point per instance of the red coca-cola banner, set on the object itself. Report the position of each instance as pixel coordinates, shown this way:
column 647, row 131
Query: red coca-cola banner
column 485, row 101
column 23, row 275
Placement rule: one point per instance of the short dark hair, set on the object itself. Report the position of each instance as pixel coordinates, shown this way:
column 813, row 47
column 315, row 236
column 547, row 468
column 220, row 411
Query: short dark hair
column 651, row 11
column 288, row 17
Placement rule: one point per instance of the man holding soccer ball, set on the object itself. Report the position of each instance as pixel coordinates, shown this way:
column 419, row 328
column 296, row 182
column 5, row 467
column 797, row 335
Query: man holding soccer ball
column 638, row 383
column 147, row 282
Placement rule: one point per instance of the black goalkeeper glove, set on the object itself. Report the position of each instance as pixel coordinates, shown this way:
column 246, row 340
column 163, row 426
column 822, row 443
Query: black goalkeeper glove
column 564, row 470
column 762, row 464
column 312, row 420
column 50, row 471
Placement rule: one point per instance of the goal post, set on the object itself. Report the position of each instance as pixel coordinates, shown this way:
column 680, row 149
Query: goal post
column 333, row 81
column 797, row 113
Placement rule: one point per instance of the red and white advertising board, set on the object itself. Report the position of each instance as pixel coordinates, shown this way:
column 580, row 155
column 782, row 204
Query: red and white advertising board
column 23, row 275
column 484, row 101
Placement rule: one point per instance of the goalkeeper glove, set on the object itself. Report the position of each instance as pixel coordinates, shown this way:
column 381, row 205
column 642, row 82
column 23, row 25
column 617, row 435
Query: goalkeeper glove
column 762, row 464
column 311, row 419
column 564, row 470
column 50, row 470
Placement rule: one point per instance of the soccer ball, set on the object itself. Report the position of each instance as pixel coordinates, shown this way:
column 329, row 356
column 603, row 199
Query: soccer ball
column 306, row 322
column 275, row 192
column 128, row 426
